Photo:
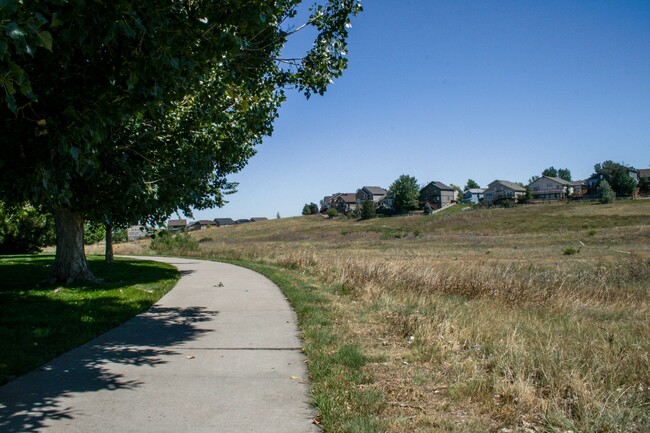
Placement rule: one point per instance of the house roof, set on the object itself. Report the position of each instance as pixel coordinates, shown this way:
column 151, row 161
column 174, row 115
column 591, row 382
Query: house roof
column 242, row 221
column 204, row 222
column 177, row 223
column 476, row 190
column 440, row 186
column 510, row 185
column 375, row 190
column 255, row 219
column 558, row 180
column 224, row 221
column 644, row 172
column 348, row 197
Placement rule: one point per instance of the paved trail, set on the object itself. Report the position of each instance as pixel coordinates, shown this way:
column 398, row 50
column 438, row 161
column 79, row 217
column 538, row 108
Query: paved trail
column 220, row 353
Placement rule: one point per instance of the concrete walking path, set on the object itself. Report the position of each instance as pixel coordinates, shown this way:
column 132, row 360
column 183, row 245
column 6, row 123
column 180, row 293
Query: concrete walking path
column 220, row 353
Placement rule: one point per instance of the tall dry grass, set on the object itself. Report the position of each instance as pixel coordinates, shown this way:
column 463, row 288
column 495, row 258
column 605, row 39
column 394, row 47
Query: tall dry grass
column 479, row 321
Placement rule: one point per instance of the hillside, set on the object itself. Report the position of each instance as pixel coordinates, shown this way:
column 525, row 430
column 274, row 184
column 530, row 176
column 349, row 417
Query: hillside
column 524, row 319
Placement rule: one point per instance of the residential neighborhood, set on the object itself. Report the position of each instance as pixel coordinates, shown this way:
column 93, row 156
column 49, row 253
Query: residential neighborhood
column 549, row 187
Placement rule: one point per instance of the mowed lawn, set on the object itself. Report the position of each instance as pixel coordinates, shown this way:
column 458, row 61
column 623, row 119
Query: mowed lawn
column 525, row 319
column 40, row 320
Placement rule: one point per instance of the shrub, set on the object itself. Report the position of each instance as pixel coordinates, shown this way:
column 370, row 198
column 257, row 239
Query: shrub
column 332, row 212
column 605, row 192
column 165, row 242
column 570, row 251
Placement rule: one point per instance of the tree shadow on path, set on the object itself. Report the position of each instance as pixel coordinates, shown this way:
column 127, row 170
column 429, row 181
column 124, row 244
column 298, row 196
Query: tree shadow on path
column 147, row 340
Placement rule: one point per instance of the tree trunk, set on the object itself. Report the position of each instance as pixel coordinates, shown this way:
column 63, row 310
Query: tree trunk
column 70, row 263
column 109, row 243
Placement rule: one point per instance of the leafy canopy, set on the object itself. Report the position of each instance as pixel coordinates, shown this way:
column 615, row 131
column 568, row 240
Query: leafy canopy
column 471, row 184
column 617, row 176
column 128, row 111
column 406, row 191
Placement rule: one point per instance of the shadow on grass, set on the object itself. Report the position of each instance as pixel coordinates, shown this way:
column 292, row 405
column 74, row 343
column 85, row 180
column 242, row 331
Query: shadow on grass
column 29, row 314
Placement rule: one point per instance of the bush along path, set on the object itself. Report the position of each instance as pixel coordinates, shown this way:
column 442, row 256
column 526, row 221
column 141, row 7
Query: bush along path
column 220, row 352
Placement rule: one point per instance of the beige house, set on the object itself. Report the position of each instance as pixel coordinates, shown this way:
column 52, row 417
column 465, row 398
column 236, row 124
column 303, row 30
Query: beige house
column 551, row 188
column 500, row 190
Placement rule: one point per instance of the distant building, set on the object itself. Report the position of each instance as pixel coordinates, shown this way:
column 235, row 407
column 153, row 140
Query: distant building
column 437, row 195
column 220, row 222
column 258, row 219
column 134, row 233
column 370, row 193
column 500, row 190
column 201, row 225
column 176, row 226
column 474, row 195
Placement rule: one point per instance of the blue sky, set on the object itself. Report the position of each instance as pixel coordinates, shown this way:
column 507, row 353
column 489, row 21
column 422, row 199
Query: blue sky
column 451, row 90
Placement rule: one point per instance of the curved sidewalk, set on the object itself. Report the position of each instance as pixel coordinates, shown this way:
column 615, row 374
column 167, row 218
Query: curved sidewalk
column 219, row 353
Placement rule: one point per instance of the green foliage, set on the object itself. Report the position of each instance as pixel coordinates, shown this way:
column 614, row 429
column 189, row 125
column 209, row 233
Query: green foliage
column 570, row 251
column 605, row 192
column 332, row 212
column 617, row 177
column 406, row 191
column 310, row 209
column 550, row 172
column 166, row 243
column 24, row 229
column 427, row 209
column 367, row 210
column 562, row 173
column 144, row 108
column 471, row 184
column 533, row 179
column 94, row 232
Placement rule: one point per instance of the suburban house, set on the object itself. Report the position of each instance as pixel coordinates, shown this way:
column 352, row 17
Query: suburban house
column 258, row 219
column 176, row 226
column 201, row 225
column 474, row 195
column 644, row 181
column 220, row 222
column 135, row 232
column 386, row 202
column 552, row 188
column 437, row 194
column 370, row 193
column 503, row 190
column 345, row 203
column 242, row 221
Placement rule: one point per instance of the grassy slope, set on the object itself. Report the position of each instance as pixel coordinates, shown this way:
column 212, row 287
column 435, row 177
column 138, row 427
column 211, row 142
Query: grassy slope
column 39, row 321
column 533, row 318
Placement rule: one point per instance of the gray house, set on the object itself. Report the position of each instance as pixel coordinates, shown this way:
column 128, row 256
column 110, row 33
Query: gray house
column 370, row 193
column 220, row 222
column 201, row 225
column 437, row 194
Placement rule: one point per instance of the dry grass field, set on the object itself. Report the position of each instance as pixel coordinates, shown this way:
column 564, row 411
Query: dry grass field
column 525, row 319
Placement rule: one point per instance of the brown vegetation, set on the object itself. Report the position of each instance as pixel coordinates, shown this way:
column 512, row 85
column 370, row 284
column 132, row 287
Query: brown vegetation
column 479, row 320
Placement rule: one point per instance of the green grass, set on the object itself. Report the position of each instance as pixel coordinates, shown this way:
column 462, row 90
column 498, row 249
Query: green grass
column 40, row 320
column 335, row 363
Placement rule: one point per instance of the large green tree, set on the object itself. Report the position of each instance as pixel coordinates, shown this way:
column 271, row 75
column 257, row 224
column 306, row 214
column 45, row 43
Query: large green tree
column 123, row 111
column 406, row 192
column 618, row 177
